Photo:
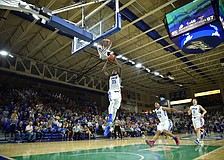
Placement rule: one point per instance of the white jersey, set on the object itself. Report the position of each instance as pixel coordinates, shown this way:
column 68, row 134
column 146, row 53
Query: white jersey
column 114, row 83
column 195, row 111
column 161, row 114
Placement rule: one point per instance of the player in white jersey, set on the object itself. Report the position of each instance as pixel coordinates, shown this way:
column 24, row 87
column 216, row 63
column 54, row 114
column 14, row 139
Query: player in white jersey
column 165, row 124
column 195, row 110
column 114, row 93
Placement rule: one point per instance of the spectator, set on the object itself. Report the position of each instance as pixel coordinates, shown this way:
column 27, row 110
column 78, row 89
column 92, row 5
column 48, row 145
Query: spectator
column 76, row 132
column 38, row 129
column 14, row 120
column 20, row 132
column 4, row 121
column 30, row 132
column 68, row 131
column 87, row 131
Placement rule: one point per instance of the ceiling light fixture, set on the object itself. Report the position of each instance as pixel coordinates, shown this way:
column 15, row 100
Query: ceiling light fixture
column 156, row 73
column 148, row 70
column 169, row 75
column 119, row 56
column 4, row 53
column 132, row 62
column 139, row 65
column 124, row 58
column 11, row 56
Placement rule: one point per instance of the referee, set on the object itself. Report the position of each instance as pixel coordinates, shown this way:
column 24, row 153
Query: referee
column 117, row 129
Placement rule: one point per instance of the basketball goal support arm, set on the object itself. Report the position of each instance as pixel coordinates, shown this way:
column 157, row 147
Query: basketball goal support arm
column 46, row 17
column 74, row 6
column 20, row 6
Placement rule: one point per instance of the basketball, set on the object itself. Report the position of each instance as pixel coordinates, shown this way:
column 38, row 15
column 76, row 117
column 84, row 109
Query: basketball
column 111, row 58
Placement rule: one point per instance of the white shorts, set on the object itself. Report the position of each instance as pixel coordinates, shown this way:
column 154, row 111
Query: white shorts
column 116, row 97
column 167, row 125
column 197, row 122
column 112, row 95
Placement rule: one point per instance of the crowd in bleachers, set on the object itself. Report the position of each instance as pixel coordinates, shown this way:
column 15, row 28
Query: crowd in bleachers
column 43, row 115
column 29, row 115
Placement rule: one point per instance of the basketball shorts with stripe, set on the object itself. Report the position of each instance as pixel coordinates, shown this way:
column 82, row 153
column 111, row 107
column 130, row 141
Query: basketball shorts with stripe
column 167, row 125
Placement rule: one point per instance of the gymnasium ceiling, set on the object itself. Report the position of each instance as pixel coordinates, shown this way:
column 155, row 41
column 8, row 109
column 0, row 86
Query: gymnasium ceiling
column 28, row 40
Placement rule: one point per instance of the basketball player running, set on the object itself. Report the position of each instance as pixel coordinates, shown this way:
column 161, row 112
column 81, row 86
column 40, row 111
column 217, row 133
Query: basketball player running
column 196, row 118
column 114, row 93
column 165, row 124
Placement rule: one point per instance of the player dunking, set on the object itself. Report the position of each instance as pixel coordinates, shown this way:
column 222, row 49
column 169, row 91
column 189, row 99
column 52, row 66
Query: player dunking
column 196, row 118
column 114, row 93
column 165, row 124
column 103, row 48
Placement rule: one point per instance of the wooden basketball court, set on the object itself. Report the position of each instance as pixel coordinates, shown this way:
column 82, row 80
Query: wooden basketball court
column 131, row 149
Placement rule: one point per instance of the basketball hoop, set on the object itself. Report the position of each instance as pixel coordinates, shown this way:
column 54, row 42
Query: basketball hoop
column 103, row 48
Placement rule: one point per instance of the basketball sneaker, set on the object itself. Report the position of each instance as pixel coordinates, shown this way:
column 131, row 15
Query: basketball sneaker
column 177, row 140
column 150, row 143
column 107, row 130
column 197, row 142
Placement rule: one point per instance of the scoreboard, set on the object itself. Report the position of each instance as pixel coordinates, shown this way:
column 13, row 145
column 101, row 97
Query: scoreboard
column 197, row 26
column 189, row 17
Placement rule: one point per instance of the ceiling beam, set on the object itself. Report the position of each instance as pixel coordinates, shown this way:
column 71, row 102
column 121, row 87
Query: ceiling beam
column 4, row 18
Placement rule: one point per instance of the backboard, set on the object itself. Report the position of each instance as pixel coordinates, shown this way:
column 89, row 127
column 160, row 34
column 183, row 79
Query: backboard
column 101, row 23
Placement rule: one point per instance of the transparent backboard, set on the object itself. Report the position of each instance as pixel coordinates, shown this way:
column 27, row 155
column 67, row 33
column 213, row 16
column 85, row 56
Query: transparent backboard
column 102, row 24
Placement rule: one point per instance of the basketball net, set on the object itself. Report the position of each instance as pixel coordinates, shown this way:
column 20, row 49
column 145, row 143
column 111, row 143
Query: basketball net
column 103, row 48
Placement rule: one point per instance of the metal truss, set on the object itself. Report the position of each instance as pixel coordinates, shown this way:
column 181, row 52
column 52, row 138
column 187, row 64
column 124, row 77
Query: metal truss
column 72, row 56
column 183, row 76
column 204, row 58
column 162, row 57
column 39, row 70
column 36, row 48
column 217, row 73
column 43, row 71
column 67, row 76
column 126, row 26
column 149, row 13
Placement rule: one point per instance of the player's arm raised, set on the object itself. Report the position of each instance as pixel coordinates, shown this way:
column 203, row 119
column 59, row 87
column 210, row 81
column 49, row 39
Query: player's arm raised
column 203, row 110
column 105, row 70
column 118, row 67
column 171, row 109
